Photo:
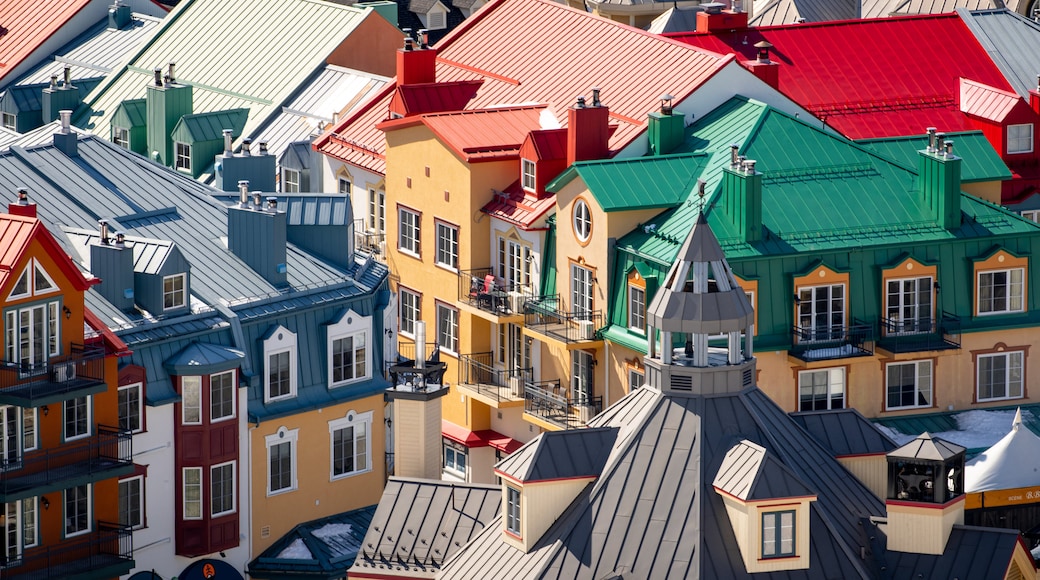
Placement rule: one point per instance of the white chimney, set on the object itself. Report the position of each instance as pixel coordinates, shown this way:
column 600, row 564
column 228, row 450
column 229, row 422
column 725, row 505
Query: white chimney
column 420, row 344
column 66, row 119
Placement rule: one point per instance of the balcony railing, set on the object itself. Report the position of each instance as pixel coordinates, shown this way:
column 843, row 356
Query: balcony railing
column 920, row 334
column 107, row 552
column 480, row 289
column 544, row 315
column 548, row 401
column 107, row 453
column 367, row 240
column 812, row 343
column 477, row 374
column 406, row 376
column 60, row 378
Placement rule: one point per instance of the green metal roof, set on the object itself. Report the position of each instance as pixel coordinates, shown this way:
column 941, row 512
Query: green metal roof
column 946, row 422
column 131, row 113
column 980, row 161
column 210, row 126
column 639, row 183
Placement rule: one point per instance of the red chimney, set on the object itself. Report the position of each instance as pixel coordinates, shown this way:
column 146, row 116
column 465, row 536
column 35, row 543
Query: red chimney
column 588, row 130
column 22, row 207
column 714, row 19
column 764, row 68
column 416, row 65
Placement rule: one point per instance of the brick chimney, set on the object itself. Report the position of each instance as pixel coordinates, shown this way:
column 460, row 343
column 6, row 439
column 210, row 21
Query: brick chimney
column 22, row 207
column 416, row 63
column 764, row 68
column 588, row 130
column 715, row 19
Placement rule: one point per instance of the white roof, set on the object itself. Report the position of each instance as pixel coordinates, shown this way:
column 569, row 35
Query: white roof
column 1012, row 462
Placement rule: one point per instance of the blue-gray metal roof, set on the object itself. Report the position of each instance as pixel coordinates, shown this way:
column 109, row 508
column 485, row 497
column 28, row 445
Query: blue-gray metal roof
column 200, row 358
column 324, row 547
column 845, row 432
column 1012, row 41
column 149, row 254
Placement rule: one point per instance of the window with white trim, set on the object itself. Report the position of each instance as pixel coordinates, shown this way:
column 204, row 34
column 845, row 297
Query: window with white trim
column 191, row 494
column 77, row 417
column 513, row 510
column 121, row 137
column 30, row 441
column 456, row 458
column 581, row 376
column 637, row 308
column 778, row 534
column 821, row 389
column 130, row 408
column 636, row 379
column 447, row 246
column 290, row 180
column 377, row 211
column 410, row 305
column 1000, row 375
column 447, row 328
column 182, row 156
column 821, row 312
column 9, row 121
column 191, row 400
column 1001, row 291
column 221, row 396
column 131, row 502
column 527, row 169
column 350, row 444
column 408, row 231
column 33, row 281
column 1020, row 138
column 909, row 305
column 514, row 263
column 1032, row 215
column 582, row 220
column 77, row 510
column 344, row 186
column 174, row 291
column 349, row 358
column 281, row 460
column 222, row 489
column 30, row 522
column 280, row 355
column 908, row 384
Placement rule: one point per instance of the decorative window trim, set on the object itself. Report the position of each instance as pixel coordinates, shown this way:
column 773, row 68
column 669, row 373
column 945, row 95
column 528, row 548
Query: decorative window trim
column 349, row 325
column 351, row 419
column 581, row 221
column 822, row 276
column 182, row 291
column 1001, row 349
column 140, row 404
column 1001, row 260
column 234, row 488
column 375, row 219
column 33, row 269
column 918, row 365
column 282, row 437
column 281, row 340
column 636, row 321
column 184, row 493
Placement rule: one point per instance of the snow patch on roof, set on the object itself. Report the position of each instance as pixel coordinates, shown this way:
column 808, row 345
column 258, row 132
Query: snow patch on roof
column 296, row 551
column 976, row 429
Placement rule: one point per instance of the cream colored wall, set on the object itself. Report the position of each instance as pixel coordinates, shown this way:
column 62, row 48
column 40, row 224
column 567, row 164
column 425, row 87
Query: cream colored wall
column 871, row 470
column 619, row 370
column 315, row 495
column 541, row 504
column 922, row 530
column 509, row 421
column 987, row 190
column 481, row 465
column 746, row 517
column 417, row 445
column 738, row 519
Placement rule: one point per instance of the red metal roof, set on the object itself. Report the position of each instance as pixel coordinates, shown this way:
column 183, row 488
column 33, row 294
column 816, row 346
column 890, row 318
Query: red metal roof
column 550, row 143
column 433, row 97
column 871, row 78
column 516, row 207
column 27, row 25
column 483, row 438
column 516, row 47
column 987, row 102
column 482, row 135
column 16, row 234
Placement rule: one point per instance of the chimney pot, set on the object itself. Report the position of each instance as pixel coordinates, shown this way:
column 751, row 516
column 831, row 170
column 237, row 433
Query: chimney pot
column 595, row 97
column 423, row 38
column 54, row 81
column 939, row 138
column 666, row 103
column 104, row 231
column 245, row 146
column 931, row 139
column 763, row 47
column 263, row 148
column 256, row 201
column 23, row 196
column 408, row 42
column 66, row 120
column 749, row 166
column 158, row 77
column 68, row 76
column 173, row 78
column 120, row 239
column 949, row 148
column 272, row 204
column 734, row 155
column 227, row 142
column 243, row 193
column 580, row 103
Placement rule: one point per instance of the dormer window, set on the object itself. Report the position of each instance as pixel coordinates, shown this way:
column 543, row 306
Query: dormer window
column 174, row 292
column 1019, row 138
column 290, row 180
column 9, row 121
column 121, row 137
column 778, row 534
column 280, row 356
column 513, row 510
column 436, row 19
column 182, row 157
column 528, row 172
column 582, row 221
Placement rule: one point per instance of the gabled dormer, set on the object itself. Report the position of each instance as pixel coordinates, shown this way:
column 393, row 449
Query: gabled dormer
column 768, row 506
column 166, row 101
column 542, row 478
column 198, row 138
column 432, row 13
column 543, row 156
column 130, row 126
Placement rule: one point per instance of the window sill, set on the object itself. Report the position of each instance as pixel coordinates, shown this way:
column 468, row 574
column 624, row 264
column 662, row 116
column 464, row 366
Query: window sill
column 765, row 559
column 349, row 382
column 223, row 514
column 75, row 534
column 349, row 475
column 221, row 419
column 999, row 399
column 409, row 253
column 447, row 268
column 288, row 397
column 281, row 491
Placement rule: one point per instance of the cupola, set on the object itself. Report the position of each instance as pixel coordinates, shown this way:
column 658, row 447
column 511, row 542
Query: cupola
column 925, row 494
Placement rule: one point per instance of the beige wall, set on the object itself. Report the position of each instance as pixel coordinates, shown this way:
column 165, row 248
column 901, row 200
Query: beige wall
column 315, row 496
column 922, row 529
column 870, row 470
column 417, row 445
column 987, row 190
column 541, row 504
column 746, row 518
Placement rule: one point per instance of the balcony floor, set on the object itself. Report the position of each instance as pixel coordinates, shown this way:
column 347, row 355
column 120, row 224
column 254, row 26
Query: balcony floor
column 494, row 396
column 36, row 394
column 57, row 478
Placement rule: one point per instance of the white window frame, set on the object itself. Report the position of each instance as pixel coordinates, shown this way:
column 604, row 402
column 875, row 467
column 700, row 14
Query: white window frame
column 30, row 513
column 409, row 231
column 344, row 186
column 290, row 180
column 88, row 500
column 233, row 464
column 1020, row 143
column 178, row 296
column 1032, row 215
column 447, row 254
column 234, row 396
column 281, row 341
column 350, row 325
column 807, row 312
column 636, row 379
column 139, row 481
column 191, row 399
column 376, row 210
column 513, row 512
column 582, row 220
column 582, row 292
column 138, row 408
column 181, row 156
column 514, row 263
column 835, row 383
column 283, row 437
column 197, row 484
column 924, row 379
column 356, row 421
column 410, row 311
column 904, row 308
column 87, row 410
column 528, row 173
column 1009, row 296
column 637, row 308
column 582, row 373
column 10, row 121
column 30, row 276
column 452, row 452
column 448, row 328
column 121, row 137
column 30, row 435
column 1014, row 360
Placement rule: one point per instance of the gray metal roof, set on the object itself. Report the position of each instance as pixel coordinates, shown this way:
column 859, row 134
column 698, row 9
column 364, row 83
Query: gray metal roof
column 421, row 523
column 750, row 473
column 560, row 455
column 316, row 210
column 149, row 254
column 845, row 432
column 927, row 448
column 779, row 12
column 675, row 20
column 1012, row 41
column 961, row 560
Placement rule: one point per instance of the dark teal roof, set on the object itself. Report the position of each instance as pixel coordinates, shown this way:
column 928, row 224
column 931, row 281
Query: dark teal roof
column 946, row 422
column 210, row 126
column 201, row 358
column 131, row 113
column 323, row 548
column 639, row 183
column 23, row 98
column 980, row 161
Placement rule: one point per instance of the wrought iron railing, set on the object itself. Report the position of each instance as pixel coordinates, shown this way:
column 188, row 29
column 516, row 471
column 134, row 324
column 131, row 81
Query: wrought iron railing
column 544, row 315
column 81, row 367
column 481, row 289
column 832, row 342
column 107, row 547
column 920, row 334
column 550, row 402
column 367, row 240
column 476, row 372
column 109, row 448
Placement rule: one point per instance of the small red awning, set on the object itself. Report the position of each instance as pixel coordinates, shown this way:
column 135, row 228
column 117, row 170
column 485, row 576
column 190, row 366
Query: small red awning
column 483, row 438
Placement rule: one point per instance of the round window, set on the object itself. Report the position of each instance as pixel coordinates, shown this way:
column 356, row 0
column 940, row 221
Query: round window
column 582, row 220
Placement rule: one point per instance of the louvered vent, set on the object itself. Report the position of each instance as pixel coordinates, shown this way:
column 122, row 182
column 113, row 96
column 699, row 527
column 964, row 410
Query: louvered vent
column 749, row 377
column 682, row 383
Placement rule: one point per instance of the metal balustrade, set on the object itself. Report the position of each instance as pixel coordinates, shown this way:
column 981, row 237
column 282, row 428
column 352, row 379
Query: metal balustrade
column 56, row 379
column 550, row 402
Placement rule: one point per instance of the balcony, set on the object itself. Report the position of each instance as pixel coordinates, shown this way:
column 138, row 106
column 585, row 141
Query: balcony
column 482, row 294
column 815, row 343
column 108, row 453
column 547, row 404
column 107, row 552
column 369, row 241
column 79, row 373
column 497, row 388
column 922, row 334
column 544, row 319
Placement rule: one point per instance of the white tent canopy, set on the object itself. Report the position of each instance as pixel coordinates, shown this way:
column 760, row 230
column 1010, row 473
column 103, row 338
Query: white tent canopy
column 1012, row 462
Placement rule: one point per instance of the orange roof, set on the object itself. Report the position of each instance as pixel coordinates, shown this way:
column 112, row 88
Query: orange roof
column 515, row 207
column 483, row 135
column 27, row 26
column 16, row 232
column 982, row 100
column 516, row 48
column 433, row 97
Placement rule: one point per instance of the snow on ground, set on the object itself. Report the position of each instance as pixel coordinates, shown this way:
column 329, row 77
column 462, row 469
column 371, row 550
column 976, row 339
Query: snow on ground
column 977, row 429
column 296, row 551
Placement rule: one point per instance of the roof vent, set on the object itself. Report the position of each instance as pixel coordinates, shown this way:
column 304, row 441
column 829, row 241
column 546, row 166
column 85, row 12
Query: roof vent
column 68, row 76
column 103, row 225
column 931, row 139
column 54, row 81
column 580, row 104
column 713, row 7
column 170, row 76
column 666, row 103
column 763, row 47
column 595, row 97
column 256, row 201
column 120, row 239
column 263, row 148
column 272, row 204
column 423, row 37
column 245, row 146
column 23, row 196
column 734, row 155
column 228, row 138
column 158, row 76
column 243, row 193
column 948, row 152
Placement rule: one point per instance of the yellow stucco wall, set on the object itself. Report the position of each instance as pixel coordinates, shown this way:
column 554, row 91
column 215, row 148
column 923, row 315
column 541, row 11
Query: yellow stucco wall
column 315, row 495
column 987, row 190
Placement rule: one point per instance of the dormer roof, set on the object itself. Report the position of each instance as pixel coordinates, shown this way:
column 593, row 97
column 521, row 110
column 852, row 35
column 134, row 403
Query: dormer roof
column 750, row 473
column 927, row 448
column 555, row 455
column 482, row 135
column 433, row 97
column 990, row 103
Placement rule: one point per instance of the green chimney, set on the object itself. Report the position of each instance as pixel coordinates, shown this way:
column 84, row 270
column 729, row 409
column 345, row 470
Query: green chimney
column 940, row 172
column 167, row 102
column 742, row 197
column 59, row 97
column 665, row 128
